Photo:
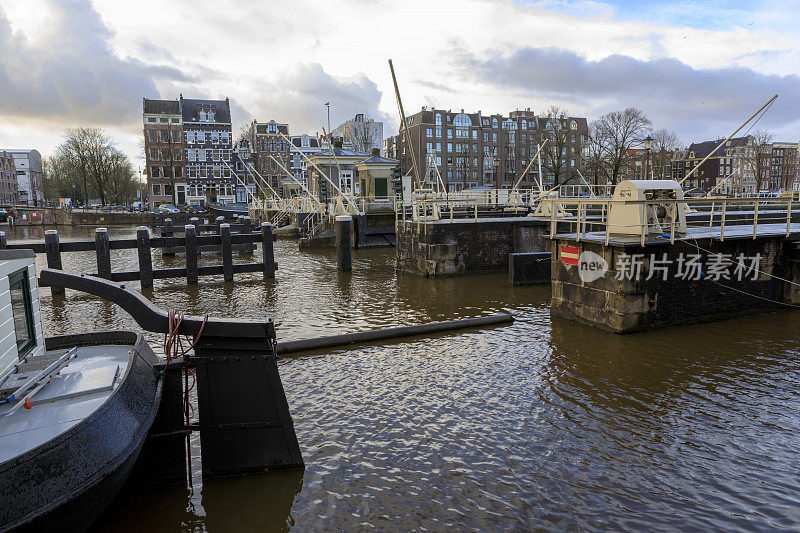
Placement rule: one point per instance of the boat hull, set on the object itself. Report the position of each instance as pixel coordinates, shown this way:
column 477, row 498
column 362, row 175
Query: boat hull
column 65, row 483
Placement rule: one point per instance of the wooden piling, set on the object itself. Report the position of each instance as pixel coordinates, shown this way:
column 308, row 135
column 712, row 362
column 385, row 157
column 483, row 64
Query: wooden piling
column 52, row 249
column 268, row 249
column 344, row 252
column 219, row 220
column 103, row 250
column 169, row 234
column 227, row 255
column 145, row 257
column 191, row 254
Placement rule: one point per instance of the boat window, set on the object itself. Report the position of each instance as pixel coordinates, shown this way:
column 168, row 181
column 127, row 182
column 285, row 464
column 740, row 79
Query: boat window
column 22, row 311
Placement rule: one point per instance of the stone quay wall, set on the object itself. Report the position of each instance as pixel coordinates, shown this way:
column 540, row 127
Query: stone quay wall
column 466, row 246
column 627, row 305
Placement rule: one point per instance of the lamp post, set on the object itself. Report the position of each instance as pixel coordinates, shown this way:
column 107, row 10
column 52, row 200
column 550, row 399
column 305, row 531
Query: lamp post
column 648, row 142
column 496, row 166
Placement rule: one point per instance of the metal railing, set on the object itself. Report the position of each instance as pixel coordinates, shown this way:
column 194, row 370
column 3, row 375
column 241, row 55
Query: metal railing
column 588, row 218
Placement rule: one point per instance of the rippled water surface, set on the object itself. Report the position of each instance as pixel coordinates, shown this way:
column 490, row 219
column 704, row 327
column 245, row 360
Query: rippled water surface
column 544, row 424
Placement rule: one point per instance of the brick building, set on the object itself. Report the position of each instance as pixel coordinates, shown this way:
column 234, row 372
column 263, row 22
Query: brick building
column 472, row 149
column 266, row 142
column 164, row 152
column 9, row 194
column 28, row 175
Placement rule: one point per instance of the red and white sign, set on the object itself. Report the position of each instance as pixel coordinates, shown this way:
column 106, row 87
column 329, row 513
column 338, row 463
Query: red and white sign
column 569, row 255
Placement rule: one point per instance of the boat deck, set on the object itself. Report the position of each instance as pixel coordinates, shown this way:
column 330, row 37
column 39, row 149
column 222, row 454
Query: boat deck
column 75, row 393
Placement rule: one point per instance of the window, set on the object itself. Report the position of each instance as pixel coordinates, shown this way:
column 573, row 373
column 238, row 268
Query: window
column 155, row 172
column 151, row 119
column 215, row 137
column 449, row 133
column 152, row 136
column 429, row 132
column 176, row 121
column 438, row 119
column 224, row 137
column 494, row 123
column 22, row 311
column 201, row 136
column 190, row 137
column 438, row 131
column 156, row 189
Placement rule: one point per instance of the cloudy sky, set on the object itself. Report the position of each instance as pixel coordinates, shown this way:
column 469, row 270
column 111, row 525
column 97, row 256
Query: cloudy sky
column 699, row 68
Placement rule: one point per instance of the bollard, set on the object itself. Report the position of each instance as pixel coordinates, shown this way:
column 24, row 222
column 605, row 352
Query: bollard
column 3, row 243
column 344, row 252
column 219, row 222
column 53, row 253
column 169, row 234
column 52, row 249
column 103, row 250
column 191, row 254
column 227, row 255
column 145, row 257
column 268, row 250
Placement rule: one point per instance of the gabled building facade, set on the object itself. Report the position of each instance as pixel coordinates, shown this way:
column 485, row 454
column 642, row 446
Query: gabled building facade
column 209, row 145
column 266, row 140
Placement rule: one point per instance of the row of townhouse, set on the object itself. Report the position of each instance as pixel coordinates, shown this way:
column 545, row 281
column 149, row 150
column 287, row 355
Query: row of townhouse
column 192, row 157
column 471, row 149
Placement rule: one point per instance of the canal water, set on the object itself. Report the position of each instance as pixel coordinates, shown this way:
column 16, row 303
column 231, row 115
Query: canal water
column 542, row 425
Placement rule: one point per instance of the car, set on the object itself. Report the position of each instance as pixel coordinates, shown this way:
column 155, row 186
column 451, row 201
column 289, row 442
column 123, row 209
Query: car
column 3, row 215
column 195, row 209
column 168, row 208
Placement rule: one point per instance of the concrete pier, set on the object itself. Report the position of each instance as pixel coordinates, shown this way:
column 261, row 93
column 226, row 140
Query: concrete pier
column 626, row 287
column 463, row 246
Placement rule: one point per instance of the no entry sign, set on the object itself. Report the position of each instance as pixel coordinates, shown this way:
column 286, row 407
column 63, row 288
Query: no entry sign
column 569, row 255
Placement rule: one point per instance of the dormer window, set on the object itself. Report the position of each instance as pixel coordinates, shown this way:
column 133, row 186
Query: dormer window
column 202, row 116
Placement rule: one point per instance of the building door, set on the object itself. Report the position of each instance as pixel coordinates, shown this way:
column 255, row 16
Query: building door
column 180, row 192
column 381, row 188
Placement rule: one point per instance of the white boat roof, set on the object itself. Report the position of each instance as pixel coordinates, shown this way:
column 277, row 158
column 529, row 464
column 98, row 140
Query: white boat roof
column 79, row 390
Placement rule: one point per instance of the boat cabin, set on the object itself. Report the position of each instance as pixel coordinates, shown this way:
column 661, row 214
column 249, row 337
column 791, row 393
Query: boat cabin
column 21, row 334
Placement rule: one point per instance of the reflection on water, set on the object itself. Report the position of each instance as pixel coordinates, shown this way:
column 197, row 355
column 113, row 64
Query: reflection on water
column 544, row 424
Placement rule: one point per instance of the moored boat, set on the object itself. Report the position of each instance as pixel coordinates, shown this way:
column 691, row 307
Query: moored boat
column 75, row 410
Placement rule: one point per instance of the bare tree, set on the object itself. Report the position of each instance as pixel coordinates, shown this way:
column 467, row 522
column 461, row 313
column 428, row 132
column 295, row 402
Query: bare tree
column 665, row 142
column 362, row 133
column 757, row 158
column 621, row 130
column 555, row 154
column 595, row 156
column 88, row 157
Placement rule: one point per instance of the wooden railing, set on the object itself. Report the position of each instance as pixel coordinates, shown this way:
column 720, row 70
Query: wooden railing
column 190, row 244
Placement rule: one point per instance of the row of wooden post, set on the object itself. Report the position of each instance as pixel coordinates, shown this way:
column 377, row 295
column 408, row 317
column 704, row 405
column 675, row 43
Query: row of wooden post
column 103, row 251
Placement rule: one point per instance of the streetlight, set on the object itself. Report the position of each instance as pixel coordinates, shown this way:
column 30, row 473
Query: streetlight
column 496, row 165
column 648, row 142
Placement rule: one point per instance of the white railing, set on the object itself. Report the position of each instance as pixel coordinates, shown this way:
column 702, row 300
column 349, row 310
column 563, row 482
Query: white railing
column 588, row 218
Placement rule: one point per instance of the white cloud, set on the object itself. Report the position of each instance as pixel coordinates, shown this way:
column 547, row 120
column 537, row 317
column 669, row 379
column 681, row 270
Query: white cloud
column 283, row 59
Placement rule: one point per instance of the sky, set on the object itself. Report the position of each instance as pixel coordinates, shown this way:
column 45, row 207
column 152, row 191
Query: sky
column 698, row 68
